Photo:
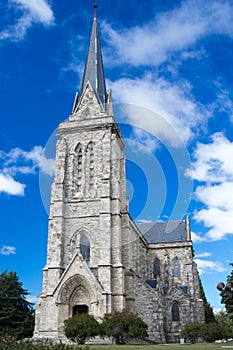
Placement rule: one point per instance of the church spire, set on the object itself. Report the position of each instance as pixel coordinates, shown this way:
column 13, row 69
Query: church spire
column 94, row 71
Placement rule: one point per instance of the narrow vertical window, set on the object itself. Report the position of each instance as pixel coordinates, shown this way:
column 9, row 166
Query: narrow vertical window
column 77, row 173
column 175, row 312
column 91, row 166
column 156, row 268
column 79, row 177
column 176, row 267
column 85, row 248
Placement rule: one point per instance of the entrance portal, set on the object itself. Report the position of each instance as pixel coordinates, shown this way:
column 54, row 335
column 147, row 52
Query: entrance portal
column 80, row 309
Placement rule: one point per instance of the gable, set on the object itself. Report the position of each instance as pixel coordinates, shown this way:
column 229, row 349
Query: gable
column 88, row 106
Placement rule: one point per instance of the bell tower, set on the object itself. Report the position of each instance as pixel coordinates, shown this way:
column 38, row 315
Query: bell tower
column 84, row 269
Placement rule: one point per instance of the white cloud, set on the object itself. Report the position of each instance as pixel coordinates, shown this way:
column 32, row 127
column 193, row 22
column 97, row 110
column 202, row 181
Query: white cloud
column 10, row 186
column 197, row 237
column 7, row 250
column 39, row 10
column 213, row 161
column 207, row 266
column 218, row 310
column 171, row 31
column 32, row 299
column 224, row 103
column 25, row 162
column 216, row 196
column 31, row 11
column 18, row 161
column 47, row 166
column 163, row 103
column 142, row 142
column 219, row 221
column 203, row 255
column 214, row 168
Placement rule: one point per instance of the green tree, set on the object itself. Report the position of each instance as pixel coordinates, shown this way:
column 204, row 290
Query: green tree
column 227, row 296
column 81, row 327
column 213, row 331
column 223, row 319
column 122, row 326
column 16, row 313
column 209, row 313
column 192, row 331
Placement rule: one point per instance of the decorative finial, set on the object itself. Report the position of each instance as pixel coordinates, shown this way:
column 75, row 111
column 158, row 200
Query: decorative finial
column 95, row 7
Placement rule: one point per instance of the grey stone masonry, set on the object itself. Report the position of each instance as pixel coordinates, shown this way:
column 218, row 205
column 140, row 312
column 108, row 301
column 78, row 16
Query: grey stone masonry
column 98, row 260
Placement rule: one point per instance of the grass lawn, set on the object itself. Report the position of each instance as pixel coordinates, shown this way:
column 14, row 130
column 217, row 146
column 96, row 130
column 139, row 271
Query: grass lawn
column 206, row 346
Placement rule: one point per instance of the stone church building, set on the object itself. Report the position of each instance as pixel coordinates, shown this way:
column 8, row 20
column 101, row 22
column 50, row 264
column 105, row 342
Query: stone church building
column 98, row 259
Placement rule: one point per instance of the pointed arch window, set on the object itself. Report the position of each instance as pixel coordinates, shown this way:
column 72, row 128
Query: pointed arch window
column 175, row 312
column 85, row 248
column 176, row 267
column 156, row 268
column 78, row 165
column 90, row 165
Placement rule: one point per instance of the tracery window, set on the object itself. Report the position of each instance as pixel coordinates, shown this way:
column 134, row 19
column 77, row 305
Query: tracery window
column 85, row 248
column 77, row 172
column 176, row 267
column 156, row 268
column 175, row 312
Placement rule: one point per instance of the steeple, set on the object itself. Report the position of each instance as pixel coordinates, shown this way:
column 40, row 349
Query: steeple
column 94, row 70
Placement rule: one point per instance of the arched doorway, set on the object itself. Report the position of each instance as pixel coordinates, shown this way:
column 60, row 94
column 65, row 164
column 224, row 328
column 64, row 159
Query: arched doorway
column 80, row 309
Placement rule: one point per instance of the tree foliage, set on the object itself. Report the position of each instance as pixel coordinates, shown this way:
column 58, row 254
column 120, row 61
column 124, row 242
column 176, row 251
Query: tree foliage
column 208, row 332
column 123, row 326
column 223, row 318
column 81, row 327
column 209, row 313
column 192, row 331
column 227, row 296
column 16, row 313
column 214, row 331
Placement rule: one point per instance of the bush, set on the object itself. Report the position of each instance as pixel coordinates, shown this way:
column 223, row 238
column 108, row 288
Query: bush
column 81, row 327
column 208, row 332
column 212, row 331
column 192, row 331
column 224, row 319
column 123, row 326
column 8, row 343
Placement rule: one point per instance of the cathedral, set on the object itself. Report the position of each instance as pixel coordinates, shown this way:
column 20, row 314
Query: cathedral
column 98, row 259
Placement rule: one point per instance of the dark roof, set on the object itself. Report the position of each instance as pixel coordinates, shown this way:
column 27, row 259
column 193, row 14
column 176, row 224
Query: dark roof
column 159, row 232
column 94, row 71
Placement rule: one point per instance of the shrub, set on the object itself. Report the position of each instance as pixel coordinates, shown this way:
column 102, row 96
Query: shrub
column 8, row 343
column 214, row 331
column 123, row 326
column 192, row 331
column 81, row 327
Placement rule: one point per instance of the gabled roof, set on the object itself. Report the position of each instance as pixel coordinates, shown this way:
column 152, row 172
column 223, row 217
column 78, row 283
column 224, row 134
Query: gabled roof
column 161, row 232
column 94, row 71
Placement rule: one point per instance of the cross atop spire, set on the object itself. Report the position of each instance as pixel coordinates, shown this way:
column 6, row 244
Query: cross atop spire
column 95, row 7
column 94, row 70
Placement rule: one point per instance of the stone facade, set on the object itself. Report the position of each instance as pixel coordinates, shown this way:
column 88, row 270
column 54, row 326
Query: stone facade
column 98, row 260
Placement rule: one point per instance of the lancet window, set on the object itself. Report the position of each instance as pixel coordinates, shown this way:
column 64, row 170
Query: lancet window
column 156, row 268
column 175, row 312
column 78, row 165
column 85, row 248
column 90, row 166
column 176, row 267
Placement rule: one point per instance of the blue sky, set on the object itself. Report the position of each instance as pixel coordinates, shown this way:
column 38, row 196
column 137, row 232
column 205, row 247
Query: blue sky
column 169, row 65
